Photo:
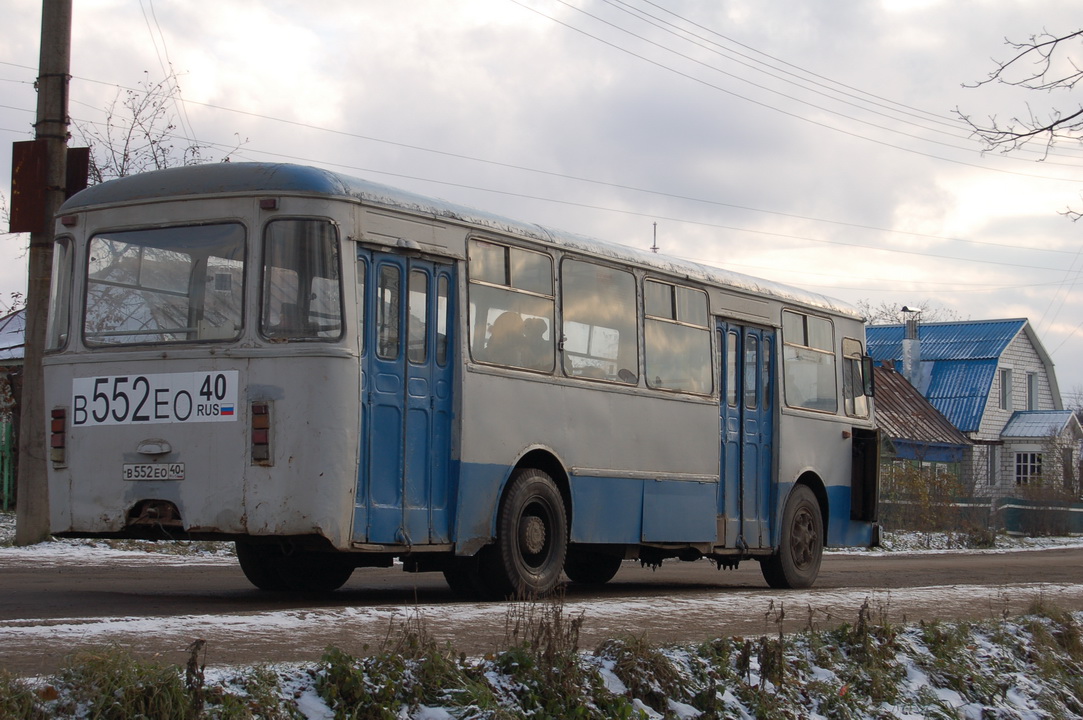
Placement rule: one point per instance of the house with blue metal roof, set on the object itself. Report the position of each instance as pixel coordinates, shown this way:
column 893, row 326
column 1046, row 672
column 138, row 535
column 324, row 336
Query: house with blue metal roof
column 995, row 382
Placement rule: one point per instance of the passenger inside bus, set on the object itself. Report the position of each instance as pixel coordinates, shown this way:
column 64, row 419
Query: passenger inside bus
column 537, row 351
column 505, row 345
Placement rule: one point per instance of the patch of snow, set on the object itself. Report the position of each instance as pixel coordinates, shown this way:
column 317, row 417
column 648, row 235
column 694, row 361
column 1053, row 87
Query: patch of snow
column 645, row 711
column 612, row 683
column 683, row 711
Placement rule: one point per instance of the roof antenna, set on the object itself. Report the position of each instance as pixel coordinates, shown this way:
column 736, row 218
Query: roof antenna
column 654, row 246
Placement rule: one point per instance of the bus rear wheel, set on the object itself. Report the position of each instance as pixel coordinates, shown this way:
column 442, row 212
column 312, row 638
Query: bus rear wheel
column 797, row 562
column 531, row 538
column 270, row 568
column 591, row 568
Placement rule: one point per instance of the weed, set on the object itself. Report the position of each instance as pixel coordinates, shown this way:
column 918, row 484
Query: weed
column 870, row 647
column 979, row 537
column 112, row 684
column 410, row 669
column 18, row 701
column 648, row 674
column 1064, row 628
column 255, row 694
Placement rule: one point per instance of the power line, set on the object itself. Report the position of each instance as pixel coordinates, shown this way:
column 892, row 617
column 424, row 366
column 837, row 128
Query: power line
column 619, row 186
column 572, row 203
column 167, row 71
column 788, row 113
column 753, row 64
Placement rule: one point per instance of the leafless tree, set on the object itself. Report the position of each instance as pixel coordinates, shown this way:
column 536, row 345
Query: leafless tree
column 140, row 133
column 892, row 313
column 1047, row 63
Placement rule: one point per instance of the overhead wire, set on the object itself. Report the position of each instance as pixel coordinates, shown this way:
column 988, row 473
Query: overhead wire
column 615, row 185
column 859, row 92
column 663, row 194
column 774, row 108
column 793, row 80
column 625, row 211
column 626, row 187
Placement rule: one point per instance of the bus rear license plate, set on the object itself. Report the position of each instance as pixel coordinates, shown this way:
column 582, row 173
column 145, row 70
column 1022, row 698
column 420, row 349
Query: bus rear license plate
column 153, row 471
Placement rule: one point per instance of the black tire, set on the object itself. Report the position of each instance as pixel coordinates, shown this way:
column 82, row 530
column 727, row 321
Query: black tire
column 590, row 568
column 531, row 539
column 269, row 568
column 797, row 562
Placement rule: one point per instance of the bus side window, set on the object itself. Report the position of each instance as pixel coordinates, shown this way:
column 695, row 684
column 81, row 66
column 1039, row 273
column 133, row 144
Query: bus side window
column 511, row 307
column 56, row 334
column 676, row 339
column 600, row 323
column 854, row 401
column 808, row 362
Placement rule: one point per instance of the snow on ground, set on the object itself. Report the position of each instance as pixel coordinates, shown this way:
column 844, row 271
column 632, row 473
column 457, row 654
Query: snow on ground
column 135, row 551
column 316, row 627
column 297, row 681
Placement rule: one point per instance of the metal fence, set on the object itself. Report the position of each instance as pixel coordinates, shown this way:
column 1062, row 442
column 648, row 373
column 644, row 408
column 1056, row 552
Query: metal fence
column 1019, row 516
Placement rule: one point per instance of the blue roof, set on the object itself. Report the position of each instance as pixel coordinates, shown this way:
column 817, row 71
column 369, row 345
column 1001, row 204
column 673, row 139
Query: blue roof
column 974, row 340
column 1037, row 424
column 959, row 358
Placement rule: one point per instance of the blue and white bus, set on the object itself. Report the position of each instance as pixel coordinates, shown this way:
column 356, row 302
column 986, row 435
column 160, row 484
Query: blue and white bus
column 336, row 374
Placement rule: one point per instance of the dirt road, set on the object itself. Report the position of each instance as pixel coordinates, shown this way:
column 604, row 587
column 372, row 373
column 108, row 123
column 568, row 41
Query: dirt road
column 56, row 603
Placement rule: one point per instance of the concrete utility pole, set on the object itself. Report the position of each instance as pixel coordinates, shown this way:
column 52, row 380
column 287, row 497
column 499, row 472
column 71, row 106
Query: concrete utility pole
column 51, row 128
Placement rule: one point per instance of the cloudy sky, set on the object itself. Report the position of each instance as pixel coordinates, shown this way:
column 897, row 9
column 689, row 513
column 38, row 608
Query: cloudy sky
column 811, row 143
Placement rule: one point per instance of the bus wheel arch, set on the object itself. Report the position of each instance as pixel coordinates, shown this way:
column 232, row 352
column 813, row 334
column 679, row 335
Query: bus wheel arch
column 532, row 530
column 802, row 536
column 547, row 462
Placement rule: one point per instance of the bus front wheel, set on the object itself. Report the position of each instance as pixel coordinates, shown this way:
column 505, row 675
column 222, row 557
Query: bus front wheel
column 797, row 562
column 271, row 569
column 531, row 540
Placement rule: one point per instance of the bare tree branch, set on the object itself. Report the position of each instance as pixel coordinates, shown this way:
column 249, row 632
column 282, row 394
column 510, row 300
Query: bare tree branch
column 139, row 134
column 1045, row 63
column 1040, row 51
column 889, row 313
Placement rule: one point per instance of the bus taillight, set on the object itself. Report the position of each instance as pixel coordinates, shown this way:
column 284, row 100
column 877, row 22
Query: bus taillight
column 261, row 433
column 58, row 437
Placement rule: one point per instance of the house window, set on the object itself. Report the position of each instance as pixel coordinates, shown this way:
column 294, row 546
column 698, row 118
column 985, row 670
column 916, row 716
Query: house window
column 1028, row 466
column 1005, row 389
column 1032, row 391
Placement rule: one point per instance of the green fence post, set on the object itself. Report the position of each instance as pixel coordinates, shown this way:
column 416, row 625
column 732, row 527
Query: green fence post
column 7, row 465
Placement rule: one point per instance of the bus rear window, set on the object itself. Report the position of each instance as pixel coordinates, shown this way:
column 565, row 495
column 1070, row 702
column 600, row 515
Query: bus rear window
column 165, row 285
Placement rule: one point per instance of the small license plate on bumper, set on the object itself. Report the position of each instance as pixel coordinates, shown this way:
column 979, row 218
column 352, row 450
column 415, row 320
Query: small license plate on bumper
column 152, row 471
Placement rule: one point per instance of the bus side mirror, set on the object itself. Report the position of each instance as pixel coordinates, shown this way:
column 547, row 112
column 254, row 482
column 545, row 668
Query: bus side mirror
column 866, row 376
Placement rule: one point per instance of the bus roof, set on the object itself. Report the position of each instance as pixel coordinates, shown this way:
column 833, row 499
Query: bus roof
column 282, row 178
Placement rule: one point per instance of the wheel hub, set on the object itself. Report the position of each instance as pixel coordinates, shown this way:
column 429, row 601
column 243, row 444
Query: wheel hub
column 532, row 535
